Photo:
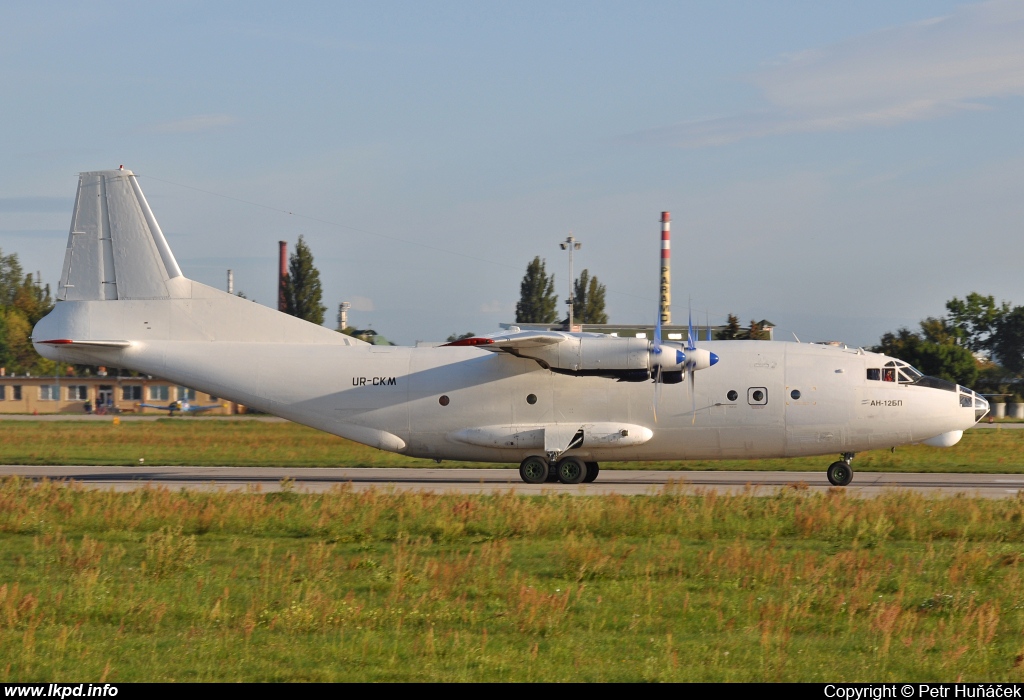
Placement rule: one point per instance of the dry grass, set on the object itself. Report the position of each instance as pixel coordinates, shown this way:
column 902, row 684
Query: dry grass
column 160, row 585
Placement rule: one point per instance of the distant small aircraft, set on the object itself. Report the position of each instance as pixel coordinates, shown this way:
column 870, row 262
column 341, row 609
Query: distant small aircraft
column 180, row 406
column 557, row 403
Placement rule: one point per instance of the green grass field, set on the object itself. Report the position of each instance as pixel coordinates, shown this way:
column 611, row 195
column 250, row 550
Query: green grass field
column 155, row 585
column 213, row 442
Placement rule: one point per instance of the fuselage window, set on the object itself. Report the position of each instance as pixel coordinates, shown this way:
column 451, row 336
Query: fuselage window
column 732, row 395
column 757, row 396
column 875, row 374
column 795, row 394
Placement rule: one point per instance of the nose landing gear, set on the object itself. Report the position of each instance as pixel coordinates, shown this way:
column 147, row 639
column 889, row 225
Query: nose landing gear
column 841, row 473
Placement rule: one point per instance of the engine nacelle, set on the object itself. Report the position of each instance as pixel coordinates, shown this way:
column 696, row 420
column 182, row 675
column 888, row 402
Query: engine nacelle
column 593, row 354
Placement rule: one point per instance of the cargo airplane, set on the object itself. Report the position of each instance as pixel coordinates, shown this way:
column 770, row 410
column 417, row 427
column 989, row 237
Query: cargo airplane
column 556, row 403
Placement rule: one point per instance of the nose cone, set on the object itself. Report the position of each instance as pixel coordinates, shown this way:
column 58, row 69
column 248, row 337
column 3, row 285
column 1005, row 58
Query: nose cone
column 714, row 359
column 981, row 407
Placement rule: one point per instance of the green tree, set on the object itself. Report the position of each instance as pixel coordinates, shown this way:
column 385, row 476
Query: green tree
column 454, row 337
column 33, row 299
column 23, row 301
column 1008, row 340
column 588, row 300
column 945, row 360
column 302, row 292
column 976, row 320
column 757, row 330
column 538, row 302
column 11, row 277
column 732, row 329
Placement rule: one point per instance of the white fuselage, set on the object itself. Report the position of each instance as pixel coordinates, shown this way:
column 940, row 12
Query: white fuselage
column 467, row 403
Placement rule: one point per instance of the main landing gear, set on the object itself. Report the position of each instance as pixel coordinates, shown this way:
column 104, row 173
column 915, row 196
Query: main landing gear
column 841, row 473
column 568, row 470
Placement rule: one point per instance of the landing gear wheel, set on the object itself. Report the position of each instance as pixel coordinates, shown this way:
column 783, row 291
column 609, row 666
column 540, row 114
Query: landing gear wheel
column 840, row 473
column 534, row 470
column 592, row 471
column 571, row 470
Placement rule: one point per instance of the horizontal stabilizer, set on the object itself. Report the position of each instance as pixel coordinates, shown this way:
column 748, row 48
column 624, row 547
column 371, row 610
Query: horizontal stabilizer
column 88, row 343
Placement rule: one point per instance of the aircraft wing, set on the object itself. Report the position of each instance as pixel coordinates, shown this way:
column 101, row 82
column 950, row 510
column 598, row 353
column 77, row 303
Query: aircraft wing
column 204, row 408
column 512, row 342
column 162, row 408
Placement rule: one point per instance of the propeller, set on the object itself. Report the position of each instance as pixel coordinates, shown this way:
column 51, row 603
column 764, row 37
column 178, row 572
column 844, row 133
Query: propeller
column 664, row 358
column 681, row 361
column 695, row 359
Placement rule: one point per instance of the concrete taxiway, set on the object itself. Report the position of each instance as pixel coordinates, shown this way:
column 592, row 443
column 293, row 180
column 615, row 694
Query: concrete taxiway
column 456, row 480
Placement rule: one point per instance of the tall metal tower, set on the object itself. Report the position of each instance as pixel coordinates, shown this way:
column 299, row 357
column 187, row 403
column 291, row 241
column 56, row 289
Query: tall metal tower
column 665, row 306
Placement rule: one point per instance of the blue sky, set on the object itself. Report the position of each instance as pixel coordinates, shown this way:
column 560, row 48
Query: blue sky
column 839, row 168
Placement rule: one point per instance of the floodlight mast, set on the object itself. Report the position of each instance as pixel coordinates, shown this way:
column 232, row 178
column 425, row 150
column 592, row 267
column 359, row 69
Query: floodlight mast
column 570, row 244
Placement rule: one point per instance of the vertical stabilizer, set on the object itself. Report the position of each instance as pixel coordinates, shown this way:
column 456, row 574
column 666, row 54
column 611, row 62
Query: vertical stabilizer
column 115, row 247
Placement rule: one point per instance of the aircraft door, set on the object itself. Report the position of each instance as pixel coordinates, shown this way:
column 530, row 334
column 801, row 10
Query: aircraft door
column 756, row 422
column 532, row 397
column 814, row 420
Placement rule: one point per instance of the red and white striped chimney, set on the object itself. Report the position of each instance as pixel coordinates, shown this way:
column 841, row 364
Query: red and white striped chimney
column 665, row 306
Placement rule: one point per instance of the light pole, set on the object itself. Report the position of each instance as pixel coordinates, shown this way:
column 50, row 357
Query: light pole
column 570, row 244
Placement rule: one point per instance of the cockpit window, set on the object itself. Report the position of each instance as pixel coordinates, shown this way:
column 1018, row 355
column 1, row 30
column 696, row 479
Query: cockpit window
column 897, row 369
column 912, row 372
column 874, row 374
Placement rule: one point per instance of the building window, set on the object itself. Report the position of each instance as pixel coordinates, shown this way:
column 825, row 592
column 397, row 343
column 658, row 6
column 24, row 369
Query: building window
column 16, row 392
column 159, row 393
column 186, row 394
column 3, row 392
column 49, row 392
column 131, row 393
column 78, row 392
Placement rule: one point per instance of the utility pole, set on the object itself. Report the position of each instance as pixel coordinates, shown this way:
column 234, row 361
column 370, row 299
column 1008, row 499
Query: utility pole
column 570, row 244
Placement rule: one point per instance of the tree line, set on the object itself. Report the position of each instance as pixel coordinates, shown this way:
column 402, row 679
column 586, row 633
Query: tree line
column 978, row 343
column 23, row 301
column 538, row 302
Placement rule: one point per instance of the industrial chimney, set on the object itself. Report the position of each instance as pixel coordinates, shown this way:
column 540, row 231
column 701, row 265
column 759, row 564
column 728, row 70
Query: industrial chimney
column 665, row 308
column 282, row 271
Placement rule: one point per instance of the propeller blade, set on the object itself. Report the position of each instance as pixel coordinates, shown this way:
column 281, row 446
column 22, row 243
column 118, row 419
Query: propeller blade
column 657, row 393
column 693, row 396
column 656, row 365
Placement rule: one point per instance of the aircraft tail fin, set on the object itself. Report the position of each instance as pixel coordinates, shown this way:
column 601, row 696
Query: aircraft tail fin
column 116, row 249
